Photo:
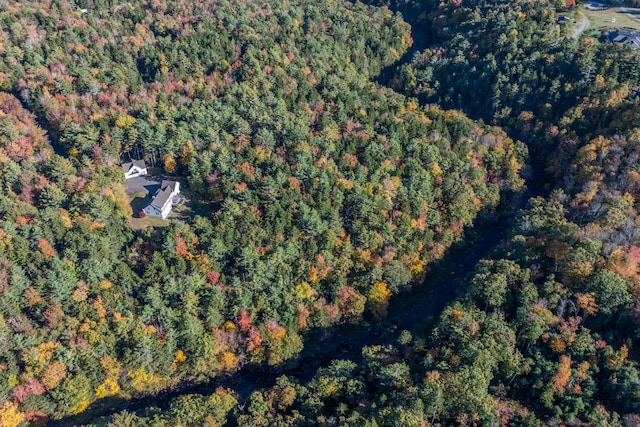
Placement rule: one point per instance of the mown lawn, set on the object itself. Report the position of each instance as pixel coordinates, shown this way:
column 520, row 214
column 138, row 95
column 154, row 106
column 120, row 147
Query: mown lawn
column 600, row 19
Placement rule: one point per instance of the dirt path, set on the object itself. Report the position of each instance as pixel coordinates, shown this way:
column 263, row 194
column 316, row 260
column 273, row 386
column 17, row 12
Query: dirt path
column 581, row 27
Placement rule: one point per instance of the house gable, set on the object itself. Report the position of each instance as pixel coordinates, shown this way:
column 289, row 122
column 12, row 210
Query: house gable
column 161, row 203
column 134, row 168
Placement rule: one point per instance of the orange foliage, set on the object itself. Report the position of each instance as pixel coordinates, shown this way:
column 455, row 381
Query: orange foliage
column 100, row 310
column 587, row 302
column 303, row 316
column 181, row 248
column 46, row 248
column 275, row 331
column 254, row 339
column 32, row 296
column 53, row 375
column 561, row 378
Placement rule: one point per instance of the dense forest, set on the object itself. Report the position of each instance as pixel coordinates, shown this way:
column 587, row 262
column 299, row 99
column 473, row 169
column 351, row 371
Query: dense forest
column 320, row 193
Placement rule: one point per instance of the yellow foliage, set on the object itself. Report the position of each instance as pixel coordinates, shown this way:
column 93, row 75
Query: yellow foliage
column 345, row 183
column 5, row 241
column 108, row 388
column 368, row 188
column 100, row 310
column 229, row 326
column 46, row 350
column 80, row 294
column 617, row 360
column 390, row 186
column 304, row 291
column 379, row 292
column 169, row 164
column 141, row 380
column 111, row 366
column 10, row 416
column 204, row 263
column 125, row 121
column 228, row 361
column 87, row 325
column 81, row 406
column 378, row 299
column 12, row 380
column 415, row 263
column 435, row 170
column 179, row 357
column 64, row 216
column 275, row 330
column 105, row 284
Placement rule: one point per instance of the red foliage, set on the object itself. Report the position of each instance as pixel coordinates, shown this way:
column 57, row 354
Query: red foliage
column 142, row 214
column 32, row 386
column 254, row 339
column 96, row 154
column 9, row 105
column 213, row 277
column 37, row 417
column 53, row 314
column 244, row 321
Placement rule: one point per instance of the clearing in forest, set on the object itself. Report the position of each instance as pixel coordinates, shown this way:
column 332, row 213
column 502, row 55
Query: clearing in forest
column 612, row 18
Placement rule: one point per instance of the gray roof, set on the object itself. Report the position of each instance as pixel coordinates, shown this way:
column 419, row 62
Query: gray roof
column 139, row 163
column 625, row 36
column 161, row 197
column 170, row 184
column 164, row 193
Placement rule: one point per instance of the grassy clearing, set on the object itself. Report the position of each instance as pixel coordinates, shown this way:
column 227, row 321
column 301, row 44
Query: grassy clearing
column 601, row 19
column 138, row 202
column 149, row 221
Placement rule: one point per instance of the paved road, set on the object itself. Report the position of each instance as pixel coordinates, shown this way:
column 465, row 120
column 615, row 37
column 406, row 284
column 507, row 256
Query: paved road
column 580, row 29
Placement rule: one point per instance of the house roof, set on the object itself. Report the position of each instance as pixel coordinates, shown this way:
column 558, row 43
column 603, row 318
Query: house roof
column 625, row 36
column 139, row 163
column 161, row 198
column 163, row 195
column 168, row 184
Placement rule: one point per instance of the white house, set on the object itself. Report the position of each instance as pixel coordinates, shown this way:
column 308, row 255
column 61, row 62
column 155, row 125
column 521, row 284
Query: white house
column 160, row 205
column 134, row 168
